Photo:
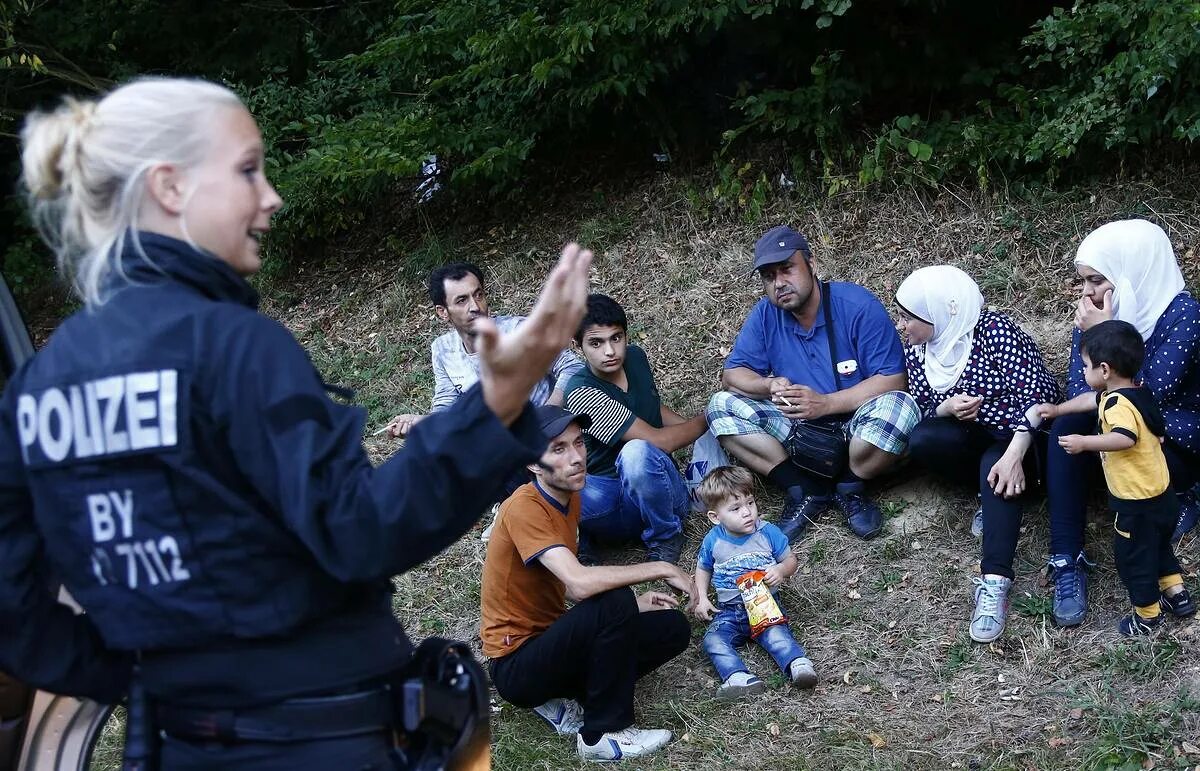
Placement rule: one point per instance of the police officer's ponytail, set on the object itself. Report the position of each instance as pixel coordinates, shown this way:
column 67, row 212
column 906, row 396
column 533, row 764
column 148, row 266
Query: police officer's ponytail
column 84, row 167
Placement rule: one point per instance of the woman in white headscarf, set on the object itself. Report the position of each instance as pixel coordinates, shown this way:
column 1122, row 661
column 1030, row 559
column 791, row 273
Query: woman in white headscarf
column 976, row 376
column 1129, row 273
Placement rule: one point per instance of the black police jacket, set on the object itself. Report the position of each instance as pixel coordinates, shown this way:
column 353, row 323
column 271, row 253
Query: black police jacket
column 175, row 456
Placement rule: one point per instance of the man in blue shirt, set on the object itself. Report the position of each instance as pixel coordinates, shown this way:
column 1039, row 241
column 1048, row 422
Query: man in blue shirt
column 782, row 370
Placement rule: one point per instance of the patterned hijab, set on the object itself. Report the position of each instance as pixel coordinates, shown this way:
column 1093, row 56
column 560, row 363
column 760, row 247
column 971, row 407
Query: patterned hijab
column 949, row 299
column 1137, row 257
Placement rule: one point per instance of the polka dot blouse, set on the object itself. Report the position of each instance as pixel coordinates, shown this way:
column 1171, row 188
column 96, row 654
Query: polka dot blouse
column 1006, row 369
column 1171, row 370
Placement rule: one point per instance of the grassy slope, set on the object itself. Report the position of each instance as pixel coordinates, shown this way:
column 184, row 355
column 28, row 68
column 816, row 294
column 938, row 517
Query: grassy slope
column 886, row 621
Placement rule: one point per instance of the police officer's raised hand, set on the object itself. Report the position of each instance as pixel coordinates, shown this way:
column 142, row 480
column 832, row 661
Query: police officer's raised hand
column 510, row 365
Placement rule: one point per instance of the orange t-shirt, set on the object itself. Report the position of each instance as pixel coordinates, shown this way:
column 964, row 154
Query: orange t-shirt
column 520, row 598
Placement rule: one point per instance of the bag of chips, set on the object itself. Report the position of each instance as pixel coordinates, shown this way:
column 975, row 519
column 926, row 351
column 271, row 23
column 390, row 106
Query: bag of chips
column 760, row 603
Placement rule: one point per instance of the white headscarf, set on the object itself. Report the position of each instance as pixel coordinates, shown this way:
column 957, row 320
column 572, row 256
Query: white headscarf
column 1137, row 257
column 947, row 298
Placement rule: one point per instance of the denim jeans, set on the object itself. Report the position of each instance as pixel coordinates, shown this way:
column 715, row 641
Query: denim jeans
column 730, row 628
column 647, row 498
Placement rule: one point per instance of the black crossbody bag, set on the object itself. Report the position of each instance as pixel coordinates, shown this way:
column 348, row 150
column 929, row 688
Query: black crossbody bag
column 822, row 446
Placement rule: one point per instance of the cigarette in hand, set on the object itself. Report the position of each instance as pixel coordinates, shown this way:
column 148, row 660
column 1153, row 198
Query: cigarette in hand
column 380, row 431
column 783, row 399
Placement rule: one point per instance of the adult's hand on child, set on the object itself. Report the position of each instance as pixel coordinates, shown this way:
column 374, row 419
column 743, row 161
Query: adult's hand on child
column 1087, row 315
column 510, row 365
column 705, row 610
column 648, row 601
column 1072, row 443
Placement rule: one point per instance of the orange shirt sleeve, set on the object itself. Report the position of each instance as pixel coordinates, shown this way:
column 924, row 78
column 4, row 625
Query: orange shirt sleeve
column 533, row 529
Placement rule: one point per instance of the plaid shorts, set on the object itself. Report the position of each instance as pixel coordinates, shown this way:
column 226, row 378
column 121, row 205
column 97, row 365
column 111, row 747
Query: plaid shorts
column 885, row 421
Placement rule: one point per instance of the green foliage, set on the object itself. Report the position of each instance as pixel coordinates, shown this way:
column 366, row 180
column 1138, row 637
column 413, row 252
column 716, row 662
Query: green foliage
column 356, row 98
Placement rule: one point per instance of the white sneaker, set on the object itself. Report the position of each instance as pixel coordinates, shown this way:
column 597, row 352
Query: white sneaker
column 494, row 513
column 977, row 520
column 991, row 608
column 802, row 673
column 565, row 716
column 740, row 684
column 628, row 743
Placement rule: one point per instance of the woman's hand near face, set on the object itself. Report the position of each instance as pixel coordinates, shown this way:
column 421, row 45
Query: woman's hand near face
column 510, row 365
column 1087, row 315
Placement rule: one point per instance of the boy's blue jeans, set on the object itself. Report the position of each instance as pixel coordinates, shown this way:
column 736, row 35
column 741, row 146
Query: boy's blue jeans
column 730, row 628
column 647, row 498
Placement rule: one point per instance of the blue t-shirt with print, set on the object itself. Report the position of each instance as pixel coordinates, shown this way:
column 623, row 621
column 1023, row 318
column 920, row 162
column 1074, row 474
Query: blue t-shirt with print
column 728, row 556
column 773, row 343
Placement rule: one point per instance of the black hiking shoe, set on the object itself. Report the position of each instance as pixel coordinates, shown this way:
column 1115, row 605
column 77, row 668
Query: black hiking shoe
column 862, row 515
column 798, row 514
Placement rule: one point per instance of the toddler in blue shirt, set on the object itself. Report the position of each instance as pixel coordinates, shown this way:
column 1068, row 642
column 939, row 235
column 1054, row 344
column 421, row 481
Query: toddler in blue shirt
column 740, row 542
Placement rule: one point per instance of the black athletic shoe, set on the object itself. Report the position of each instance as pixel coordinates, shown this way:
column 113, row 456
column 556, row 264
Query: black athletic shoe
column 798, row 514
column 1134, row 625
column 1179, row 605
column 862, row 515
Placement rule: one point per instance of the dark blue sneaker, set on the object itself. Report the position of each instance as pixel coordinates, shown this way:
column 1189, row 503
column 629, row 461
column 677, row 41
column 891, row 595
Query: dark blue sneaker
column 862, row 515
column 1189, row 514
column 1178, row 605
column 797, row 515
column 1134, row 625
column 1070, row 588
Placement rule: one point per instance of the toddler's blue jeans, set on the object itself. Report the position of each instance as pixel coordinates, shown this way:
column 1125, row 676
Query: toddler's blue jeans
column 730, row 629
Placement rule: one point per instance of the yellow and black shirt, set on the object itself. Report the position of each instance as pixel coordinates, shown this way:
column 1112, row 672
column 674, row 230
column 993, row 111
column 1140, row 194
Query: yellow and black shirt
column 1139, row 472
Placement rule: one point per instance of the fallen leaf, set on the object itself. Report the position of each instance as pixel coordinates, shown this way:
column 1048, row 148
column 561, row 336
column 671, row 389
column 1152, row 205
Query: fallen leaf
column 773, row 729
column 877, row 741
column 687, row 737
column 854, row 595
column 1076, row 713
column 1058, row 741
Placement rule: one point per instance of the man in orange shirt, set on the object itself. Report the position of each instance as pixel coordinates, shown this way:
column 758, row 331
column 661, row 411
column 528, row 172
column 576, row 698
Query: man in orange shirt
column 577, row 668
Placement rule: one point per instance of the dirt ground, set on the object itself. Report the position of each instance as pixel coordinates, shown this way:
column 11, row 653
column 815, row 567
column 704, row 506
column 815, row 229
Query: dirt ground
column 902, row 686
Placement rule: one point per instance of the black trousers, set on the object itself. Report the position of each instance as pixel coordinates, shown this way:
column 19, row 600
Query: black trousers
column 594, row 653
column 964, row 452
column 1145, row 554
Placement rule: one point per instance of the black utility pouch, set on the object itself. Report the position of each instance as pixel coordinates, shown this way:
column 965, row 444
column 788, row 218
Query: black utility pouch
column 441, row 706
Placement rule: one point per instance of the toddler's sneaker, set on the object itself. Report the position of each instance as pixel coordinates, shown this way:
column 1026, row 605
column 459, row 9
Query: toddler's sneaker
column 740, row 684
column 1134, row 625
column 991, row 608
column 628, row 743
column 565, row 716
column 802, row 673
column 1178, row 605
